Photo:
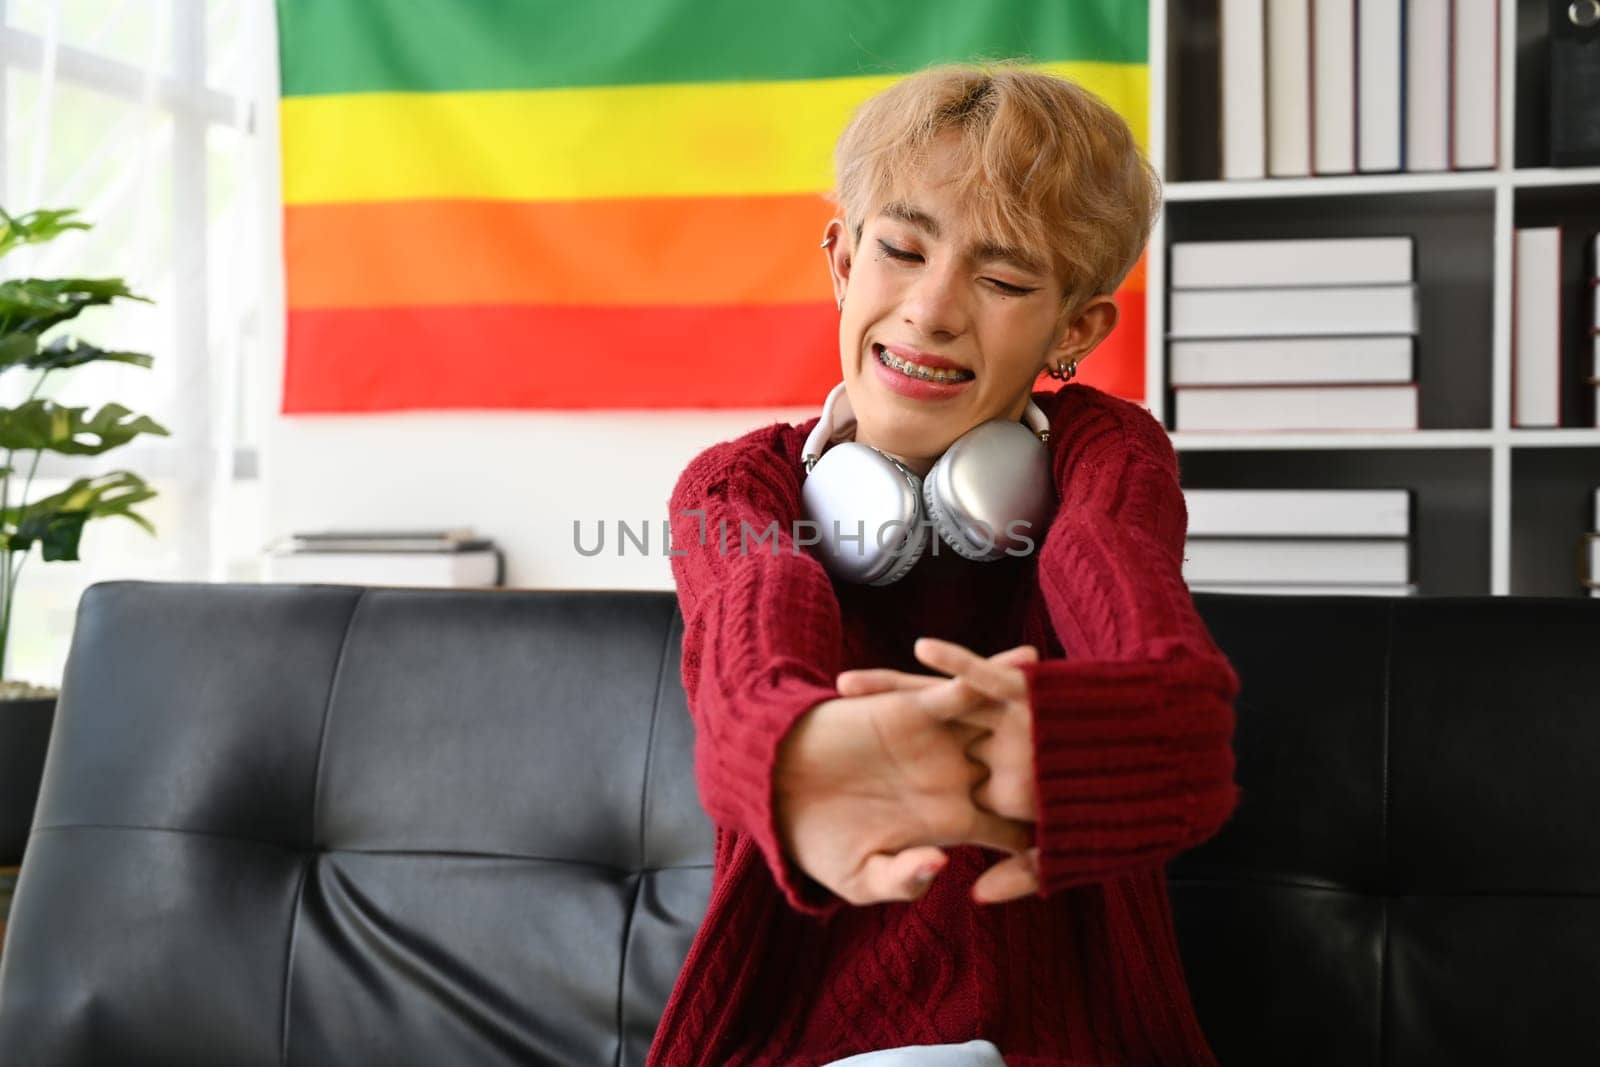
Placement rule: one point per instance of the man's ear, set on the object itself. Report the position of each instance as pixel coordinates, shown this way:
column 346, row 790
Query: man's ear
column 1084, row 332
column 837, row 247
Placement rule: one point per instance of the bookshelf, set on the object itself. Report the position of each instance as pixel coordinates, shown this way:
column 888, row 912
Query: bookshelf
column 1500, row 510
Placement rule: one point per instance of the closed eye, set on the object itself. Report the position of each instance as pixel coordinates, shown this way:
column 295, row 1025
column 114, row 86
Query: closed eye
column 897, row 253
column 903, row 256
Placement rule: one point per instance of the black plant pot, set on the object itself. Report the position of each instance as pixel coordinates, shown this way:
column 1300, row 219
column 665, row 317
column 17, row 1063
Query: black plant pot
column 24, row 737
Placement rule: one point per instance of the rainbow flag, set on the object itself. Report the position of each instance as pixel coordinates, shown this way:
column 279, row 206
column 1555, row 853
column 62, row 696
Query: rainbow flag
column 524, row 204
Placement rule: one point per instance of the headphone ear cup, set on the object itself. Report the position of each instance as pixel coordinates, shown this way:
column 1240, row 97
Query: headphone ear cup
column 992, row 476
column 866, row 508
column 916, row 545
column 939, row 515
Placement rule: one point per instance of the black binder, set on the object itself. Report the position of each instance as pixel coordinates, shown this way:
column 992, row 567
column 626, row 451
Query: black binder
column 1574, row 82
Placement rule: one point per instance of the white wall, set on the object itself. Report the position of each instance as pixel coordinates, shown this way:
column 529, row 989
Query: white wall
column 520, row 478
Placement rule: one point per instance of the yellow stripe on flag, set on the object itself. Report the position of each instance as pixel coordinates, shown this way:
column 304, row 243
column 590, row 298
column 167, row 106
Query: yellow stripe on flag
column 707, row 139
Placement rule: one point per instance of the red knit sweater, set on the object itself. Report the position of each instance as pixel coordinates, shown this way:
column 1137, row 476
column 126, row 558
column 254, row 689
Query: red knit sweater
column 1133, row 721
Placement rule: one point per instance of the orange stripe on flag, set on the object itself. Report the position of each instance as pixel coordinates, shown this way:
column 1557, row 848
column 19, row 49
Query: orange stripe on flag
column 717, row 251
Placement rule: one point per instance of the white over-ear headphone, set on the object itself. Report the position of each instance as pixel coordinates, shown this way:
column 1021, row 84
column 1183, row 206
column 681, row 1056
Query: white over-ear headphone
column 988, row 496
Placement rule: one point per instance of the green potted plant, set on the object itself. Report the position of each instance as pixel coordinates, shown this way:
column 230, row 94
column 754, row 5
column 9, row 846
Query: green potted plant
column 29, row 309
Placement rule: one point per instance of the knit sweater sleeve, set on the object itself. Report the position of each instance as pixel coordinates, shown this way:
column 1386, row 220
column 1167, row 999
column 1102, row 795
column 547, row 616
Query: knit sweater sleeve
column 762, row 635
column 1133, row 730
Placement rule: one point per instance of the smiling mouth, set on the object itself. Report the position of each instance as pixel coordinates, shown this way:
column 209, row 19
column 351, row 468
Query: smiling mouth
column 917, row 370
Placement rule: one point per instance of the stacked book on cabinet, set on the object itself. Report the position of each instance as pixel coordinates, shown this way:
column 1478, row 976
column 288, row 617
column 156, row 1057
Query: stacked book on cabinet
column 1330, row 542
column 1340, row 86
column 454, row 557
column 1591, row 554
column 1547, row 388
column 1313, row 334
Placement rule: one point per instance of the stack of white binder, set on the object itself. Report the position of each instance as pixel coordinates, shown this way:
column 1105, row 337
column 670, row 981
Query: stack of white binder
column 449, row 558
column 1338, row 86
column 1301, row 541
column 1315, row 334
column 1592, row 555
column 1546, row 387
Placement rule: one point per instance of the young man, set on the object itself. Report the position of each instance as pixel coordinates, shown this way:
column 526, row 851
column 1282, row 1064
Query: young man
column 961, row 865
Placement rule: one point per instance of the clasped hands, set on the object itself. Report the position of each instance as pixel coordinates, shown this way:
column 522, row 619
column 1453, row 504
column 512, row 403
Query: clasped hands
column 871, row 787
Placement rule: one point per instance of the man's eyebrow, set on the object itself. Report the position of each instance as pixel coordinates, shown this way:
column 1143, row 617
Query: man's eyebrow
column 903, row 211
column 987, row 252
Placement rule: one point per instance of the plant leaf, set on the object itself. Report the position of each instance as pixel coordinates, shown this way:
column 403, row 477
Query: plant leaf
column 34, row 305
column 44, row 424
column 17, row 348
column 36, row 227
column 56, row 522
column 62, row 352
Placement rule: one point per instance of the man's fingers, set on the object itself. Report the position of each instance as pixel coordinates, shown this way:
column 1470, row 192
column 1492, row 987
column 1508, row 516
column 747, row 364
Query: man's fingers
column 1013, row 657
column 997, row 681
column 903, row 875
column 949, row 699
column 1011, row 878
column 957, row 654
column 866, row 681
column 995, row 831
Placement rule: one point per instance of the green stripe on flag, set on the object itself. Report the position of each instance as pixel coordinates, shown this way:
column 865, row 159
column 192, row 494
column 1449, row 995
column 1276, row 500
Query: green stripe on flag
column 357, row 46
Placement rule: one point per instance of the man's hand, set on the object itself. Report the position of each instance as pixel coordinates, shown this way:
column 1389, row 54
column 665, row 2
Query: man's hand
column 1000, row 728
column 869, row 788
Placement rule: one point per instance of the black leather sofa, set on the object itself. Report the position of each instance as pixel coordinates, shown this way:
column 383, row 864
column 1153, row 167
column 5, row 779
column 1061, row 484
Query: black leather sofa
column 297, row 825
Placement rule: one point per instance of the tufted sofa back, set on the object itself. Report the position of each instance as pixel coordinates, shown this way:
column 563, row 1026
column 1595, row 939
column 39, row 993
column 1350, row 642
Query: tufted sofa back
column 303, row 825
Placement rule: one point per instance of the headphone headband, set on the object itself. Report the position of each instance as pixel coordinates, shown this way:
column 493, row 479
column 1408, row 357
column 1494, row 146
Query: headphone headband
column 838, row 423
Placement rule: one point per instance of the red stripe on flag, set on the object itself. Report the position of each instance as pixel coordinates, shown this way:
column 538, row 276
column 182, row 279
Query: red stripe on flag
column 437, row 358
column 390, row 359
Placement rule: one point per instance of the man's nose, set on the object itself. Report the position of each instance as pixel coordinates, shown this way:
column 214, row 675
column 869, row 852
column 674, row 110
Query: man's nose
column 936, row 302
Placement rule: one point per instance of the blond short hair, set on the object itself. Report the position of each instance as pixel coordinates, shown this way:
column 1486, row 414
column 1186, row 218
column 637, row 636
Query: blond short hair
column 1042, row 165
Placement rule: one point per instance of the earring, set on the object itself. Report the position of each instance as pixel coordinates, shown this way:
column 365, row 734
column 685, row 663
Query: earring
column 826, row 241
column 841, row 303
column 1064, row 372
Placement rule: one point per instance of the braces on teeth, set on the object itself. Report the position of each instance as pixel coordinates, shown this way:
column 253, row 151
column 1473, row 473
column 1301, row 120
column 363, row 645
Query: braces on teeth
column 916, row 370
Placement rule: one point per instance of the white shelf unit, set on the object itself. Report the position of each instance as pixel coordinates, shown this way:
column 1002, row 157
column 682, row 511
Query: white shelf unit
column 1501, row 509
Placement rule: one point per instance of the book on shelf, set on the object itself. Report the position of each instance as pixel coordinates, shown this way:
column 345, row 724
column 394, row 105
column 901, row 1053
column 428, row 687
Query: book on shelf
column 467, row 569
column 1475, row 83
column 1333, row 86
column 1536, row 348
column 450, row 556
column 1322, row 561
column 1300, row 512
column 455, row 539
column 1305, row 589
column 1287, row 262
column 1224, row 409
column 1593, row 539
column 1591, row 580
column 1380, row 97
column 1427, row 85
column 1292, row 360
column 1289, row 113
column 1294, row 312
column 1242, row 24
column 1574, row 63
column 1343, row 86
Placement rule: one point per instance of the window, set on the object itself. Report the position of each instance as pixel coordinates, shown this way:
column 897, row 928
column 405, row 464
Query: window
column 144, row 115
